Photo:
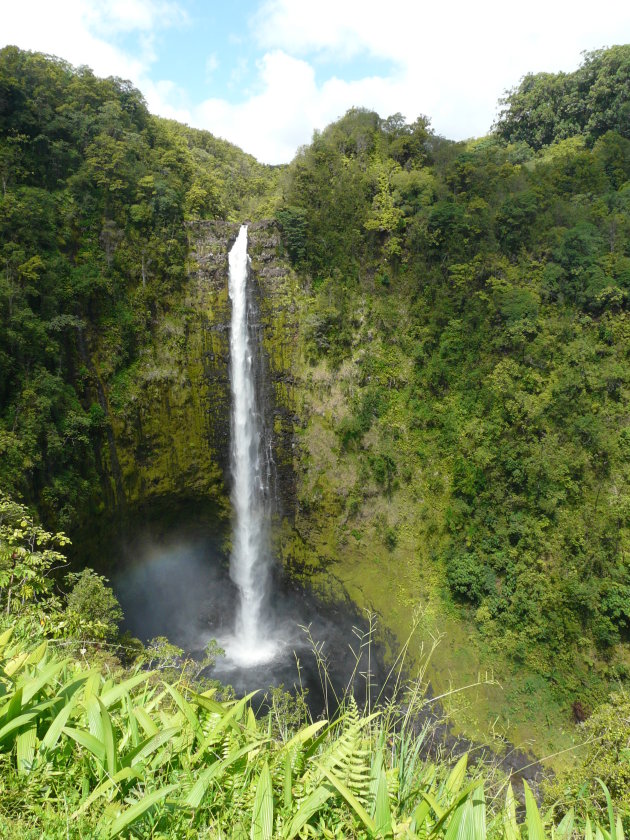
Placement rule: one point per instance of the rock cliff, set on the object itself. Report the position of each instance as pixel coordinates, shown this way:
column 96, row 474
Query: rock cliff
column 170, row 414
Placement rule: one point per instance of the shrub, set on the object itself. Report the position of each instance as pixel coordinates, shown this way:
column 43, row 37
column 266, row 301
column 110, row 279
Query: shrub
column 93, row 609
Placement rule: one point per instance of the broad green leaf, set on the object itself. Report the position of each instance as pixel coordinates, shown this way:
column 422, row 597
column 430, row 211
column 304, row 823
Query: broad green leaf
column 308, row 808
column 187, row 710
column 382, row 812
column 87, row 740
column 5, row 638
column 33, row 686
column 13, row 708
column 588, row 830
column 14, row 665
column 109, row 739
column 209, row 704
column 17, row 723
column 135, row 811
column 95, row 719
column 420, row 816
column 435, row 806
column 132, row 721
column 457, row 776
column 305, row 734
column 37, row 655
column 457, row 826
column 620, row 831
column 198, row 790
column 262, row 816
column 565, row 827
column 227, row 720
column 468, row 828
column 149, row 746
column 123, row 775
column 444, row 814
column 479, row 813
column 287, row 786
column 113, row 694
column 25, row 744
column 49, row 741
column 610, row 810
column 73, row 686
column 92, row 686
column 535, row 830
column 145, row 721
column 510, row 827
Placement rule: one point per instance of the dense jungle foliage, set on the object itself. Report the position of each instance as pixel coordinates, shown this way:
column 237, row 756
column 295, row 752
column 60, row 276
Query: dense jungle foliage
column 479, row 293
column 95, row 195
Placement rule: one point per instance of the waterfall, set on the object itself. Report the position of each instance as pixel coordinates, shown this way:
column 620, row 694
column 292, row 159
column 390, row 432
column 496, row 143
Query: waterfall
column 250, row 558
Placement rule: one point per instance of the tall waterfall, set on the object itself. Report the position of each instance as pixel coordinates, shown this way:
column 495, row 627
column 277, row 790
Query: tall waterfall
column 250, row 559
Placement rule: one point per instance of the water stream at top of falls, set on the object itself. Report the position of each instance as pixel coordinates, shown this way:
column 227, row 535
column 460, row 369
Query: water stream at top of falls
column 250, row 560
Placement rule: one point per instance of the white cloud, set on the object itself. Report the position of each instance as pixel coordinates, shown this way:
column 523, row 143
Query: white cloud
column 272, row 123
column 212, row 64
column 84, row 32
column 450, row 61
column 136, row 15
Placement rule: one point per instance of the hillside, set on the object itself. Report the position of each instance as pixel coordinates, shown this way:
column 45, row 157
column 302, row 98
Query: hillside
column 96, row 195
column 467, row 334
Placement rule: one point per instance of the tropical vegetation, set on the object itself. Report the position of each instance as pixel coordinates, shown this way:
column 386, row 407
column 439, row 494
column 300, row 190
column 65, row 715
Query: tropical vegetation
column 462, row 383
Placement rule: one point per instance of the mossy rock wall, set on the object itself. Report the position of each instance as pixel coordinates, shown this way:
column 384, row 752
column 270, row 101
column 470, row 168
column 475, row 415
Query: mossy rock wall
column 169, row 414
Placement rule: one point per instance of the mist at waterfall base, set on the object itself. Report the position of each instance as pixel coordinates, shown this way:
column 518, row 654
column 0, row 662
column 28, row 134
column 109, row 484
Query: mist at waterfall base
column 178, row 585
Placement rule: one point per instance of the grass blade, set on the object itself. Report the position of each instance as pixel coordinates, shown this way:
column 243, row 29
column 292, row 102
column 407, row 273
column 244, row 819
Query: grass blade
column 262, row 817
column 611, row 812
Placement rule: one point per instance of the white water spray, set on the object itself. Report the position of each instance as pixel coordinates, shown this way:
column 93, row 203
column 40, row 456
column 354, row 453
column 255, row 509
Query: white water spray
column 249, row 563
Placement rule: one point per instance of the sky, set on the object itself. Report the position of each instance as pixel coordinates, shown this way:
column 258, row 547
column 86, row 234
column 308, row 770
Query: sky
column 265, row 74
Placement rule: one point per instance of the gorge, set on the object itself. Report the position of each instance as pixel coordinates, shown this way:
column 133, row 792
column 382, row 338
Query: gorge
column 443, row 374
column 172, row 579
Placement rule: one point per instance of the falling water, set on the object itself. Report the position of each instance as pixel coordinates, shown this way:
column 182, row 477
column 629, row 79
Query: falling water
column 249, row 562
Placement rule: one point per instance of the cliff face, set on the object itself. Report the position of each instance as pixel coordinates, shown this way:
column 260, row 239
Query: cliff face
column 170, row 414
